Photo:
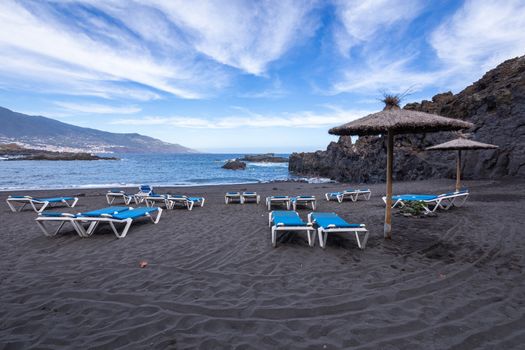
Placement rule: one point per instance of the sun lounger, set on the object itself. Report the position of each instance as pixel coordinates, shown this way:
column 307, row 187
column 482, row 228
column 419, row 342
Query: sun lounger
column 353, row 194
column 303, row 201
column 281, row 220
column 432, row 202
column 278, row 200
column 115, row 194
column 331, row 223
column 231, row 197
column 144, row 191
column 155, row 199
column 63, row 218
column 38, row 204
column 184, row 201
column 250, row 197
column 126, row 217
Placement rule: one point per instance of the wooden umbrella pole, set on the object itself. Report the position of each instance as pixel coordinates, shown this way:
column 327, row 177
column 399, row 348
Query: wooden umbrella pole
column 389, row 166
column 458, row 171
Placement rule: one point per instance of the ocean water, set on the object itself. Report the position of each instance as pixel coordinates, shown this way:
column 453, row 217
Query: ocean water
column 136, row 169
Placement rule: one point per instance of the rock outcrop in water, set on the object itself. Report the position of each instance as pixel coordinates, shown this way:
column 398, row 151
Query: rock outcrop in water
column 495, row 104
column 264, row 158
column 234, row 164
column 13, row 151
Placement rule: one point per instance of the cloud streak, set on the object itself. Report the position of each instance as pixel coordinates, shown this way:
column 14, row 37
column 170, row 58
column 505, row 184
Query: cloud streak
column 302, row 119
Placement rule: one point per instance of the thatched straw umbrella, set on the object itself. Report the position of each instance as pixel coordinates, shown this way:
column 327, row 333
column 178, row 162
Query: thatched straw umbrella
column 460, row 144
column 391, row 121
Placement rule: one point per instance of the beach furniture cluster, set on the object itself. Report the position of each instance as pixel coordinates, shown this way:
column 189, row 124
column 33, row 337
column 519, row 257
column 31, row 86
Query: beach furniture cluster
column 112, row 216
column 242, row 197
column 320, row 224
column 119, row 218
column 432, row 201
column 352, row 194
column 149, row 198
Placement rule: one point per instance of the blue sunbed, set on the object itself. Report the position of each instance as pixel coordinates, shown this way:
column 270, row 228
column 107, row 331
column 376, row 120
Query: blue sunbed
column 332, row 223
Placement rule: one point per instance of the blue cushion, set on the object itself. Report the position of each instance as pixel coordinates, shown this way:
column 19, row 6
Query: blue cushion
column 133, row 213
column 279, row 197
column 195, row 199
column 415, row 197
column 326, row 220
column 54, row 200
column 108, row 210
column 52, row 214
column 287, row 218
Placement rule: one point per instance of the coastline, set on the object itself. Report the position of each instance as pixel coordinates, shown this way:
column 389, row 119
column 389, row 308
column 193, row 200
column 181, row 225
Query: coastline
column 214, row 281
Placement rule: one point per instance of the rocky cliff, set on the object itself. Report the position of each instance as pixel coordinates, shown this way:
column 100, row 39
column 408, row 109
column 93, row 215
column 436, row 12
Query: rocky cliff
column 495, row 104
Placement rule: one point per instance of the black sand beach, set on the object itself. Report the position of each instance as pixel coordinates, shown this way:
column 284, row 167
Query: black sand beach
column 213, row 281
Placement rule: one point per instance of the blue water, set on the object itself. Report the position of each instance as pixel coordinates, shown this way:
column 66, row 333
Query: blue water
column 136, row 169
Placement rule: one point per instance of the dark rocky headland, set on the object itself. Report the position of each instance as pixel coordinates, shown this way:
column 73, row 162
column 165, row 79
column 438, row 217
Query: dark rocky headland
column 495, row 104
column 264, row 158
column 15, row 152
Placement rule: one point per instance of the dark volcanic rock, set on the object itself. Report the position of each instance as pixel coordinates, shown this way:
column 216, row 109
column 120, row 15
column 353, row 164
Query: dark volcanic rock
column 264, row 158
column 15, row 152
column 495, row 104
column 234, row 164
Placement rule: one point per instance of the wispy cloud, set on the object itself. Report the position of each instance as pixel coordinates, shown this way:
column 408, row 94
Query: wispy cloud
column 476, row 38
column 302, row 119
column 481, row 34
column 247, row 35
column 178, row 48
column 361, row 21
column 97, row 108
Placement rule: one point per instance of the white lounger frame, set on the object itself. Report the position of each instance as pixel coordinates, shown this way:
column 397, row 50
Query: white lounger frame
column 247, row 197
column 323, row 233
column 353, row 195
column 35, row 203
column 150, row 201
column 304, row 201
column 233, row 197
column 442, row 201
column 278, row 201
column 65, row 218
column 171, row 202
column 77, row 221
column 275, row 228
column 112, row 196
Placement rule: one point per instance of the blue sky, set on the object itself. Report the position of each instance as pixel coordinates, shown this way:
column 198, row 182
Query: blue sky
column 243, row 75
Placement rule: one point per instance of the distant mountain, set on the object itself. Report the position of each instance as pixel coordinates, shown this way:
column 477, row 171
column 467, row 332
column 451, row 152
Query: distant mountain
column 46, row 133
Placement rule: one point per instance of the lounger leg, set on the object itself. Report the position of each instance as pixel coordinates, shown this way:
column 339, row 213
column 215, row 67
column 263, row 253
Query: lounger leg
column 462, row 201
column 11, row 206
column 108, row 200
column 362, row 245
column 157, row 218
column 124, row 231
column 274, row 237
column 326, row 196
column 46, row 232
column 91, row 228
column 311, row 240
column 340, row 198
column 313, row 205
column 190, row 205
column 322, row 241
column 270, row 219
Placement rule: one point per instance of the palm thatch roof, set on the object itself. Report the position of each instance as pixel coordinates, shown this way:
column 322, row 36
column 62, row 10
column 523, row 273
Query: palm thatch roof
column 460, row 144
column 399, row 121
